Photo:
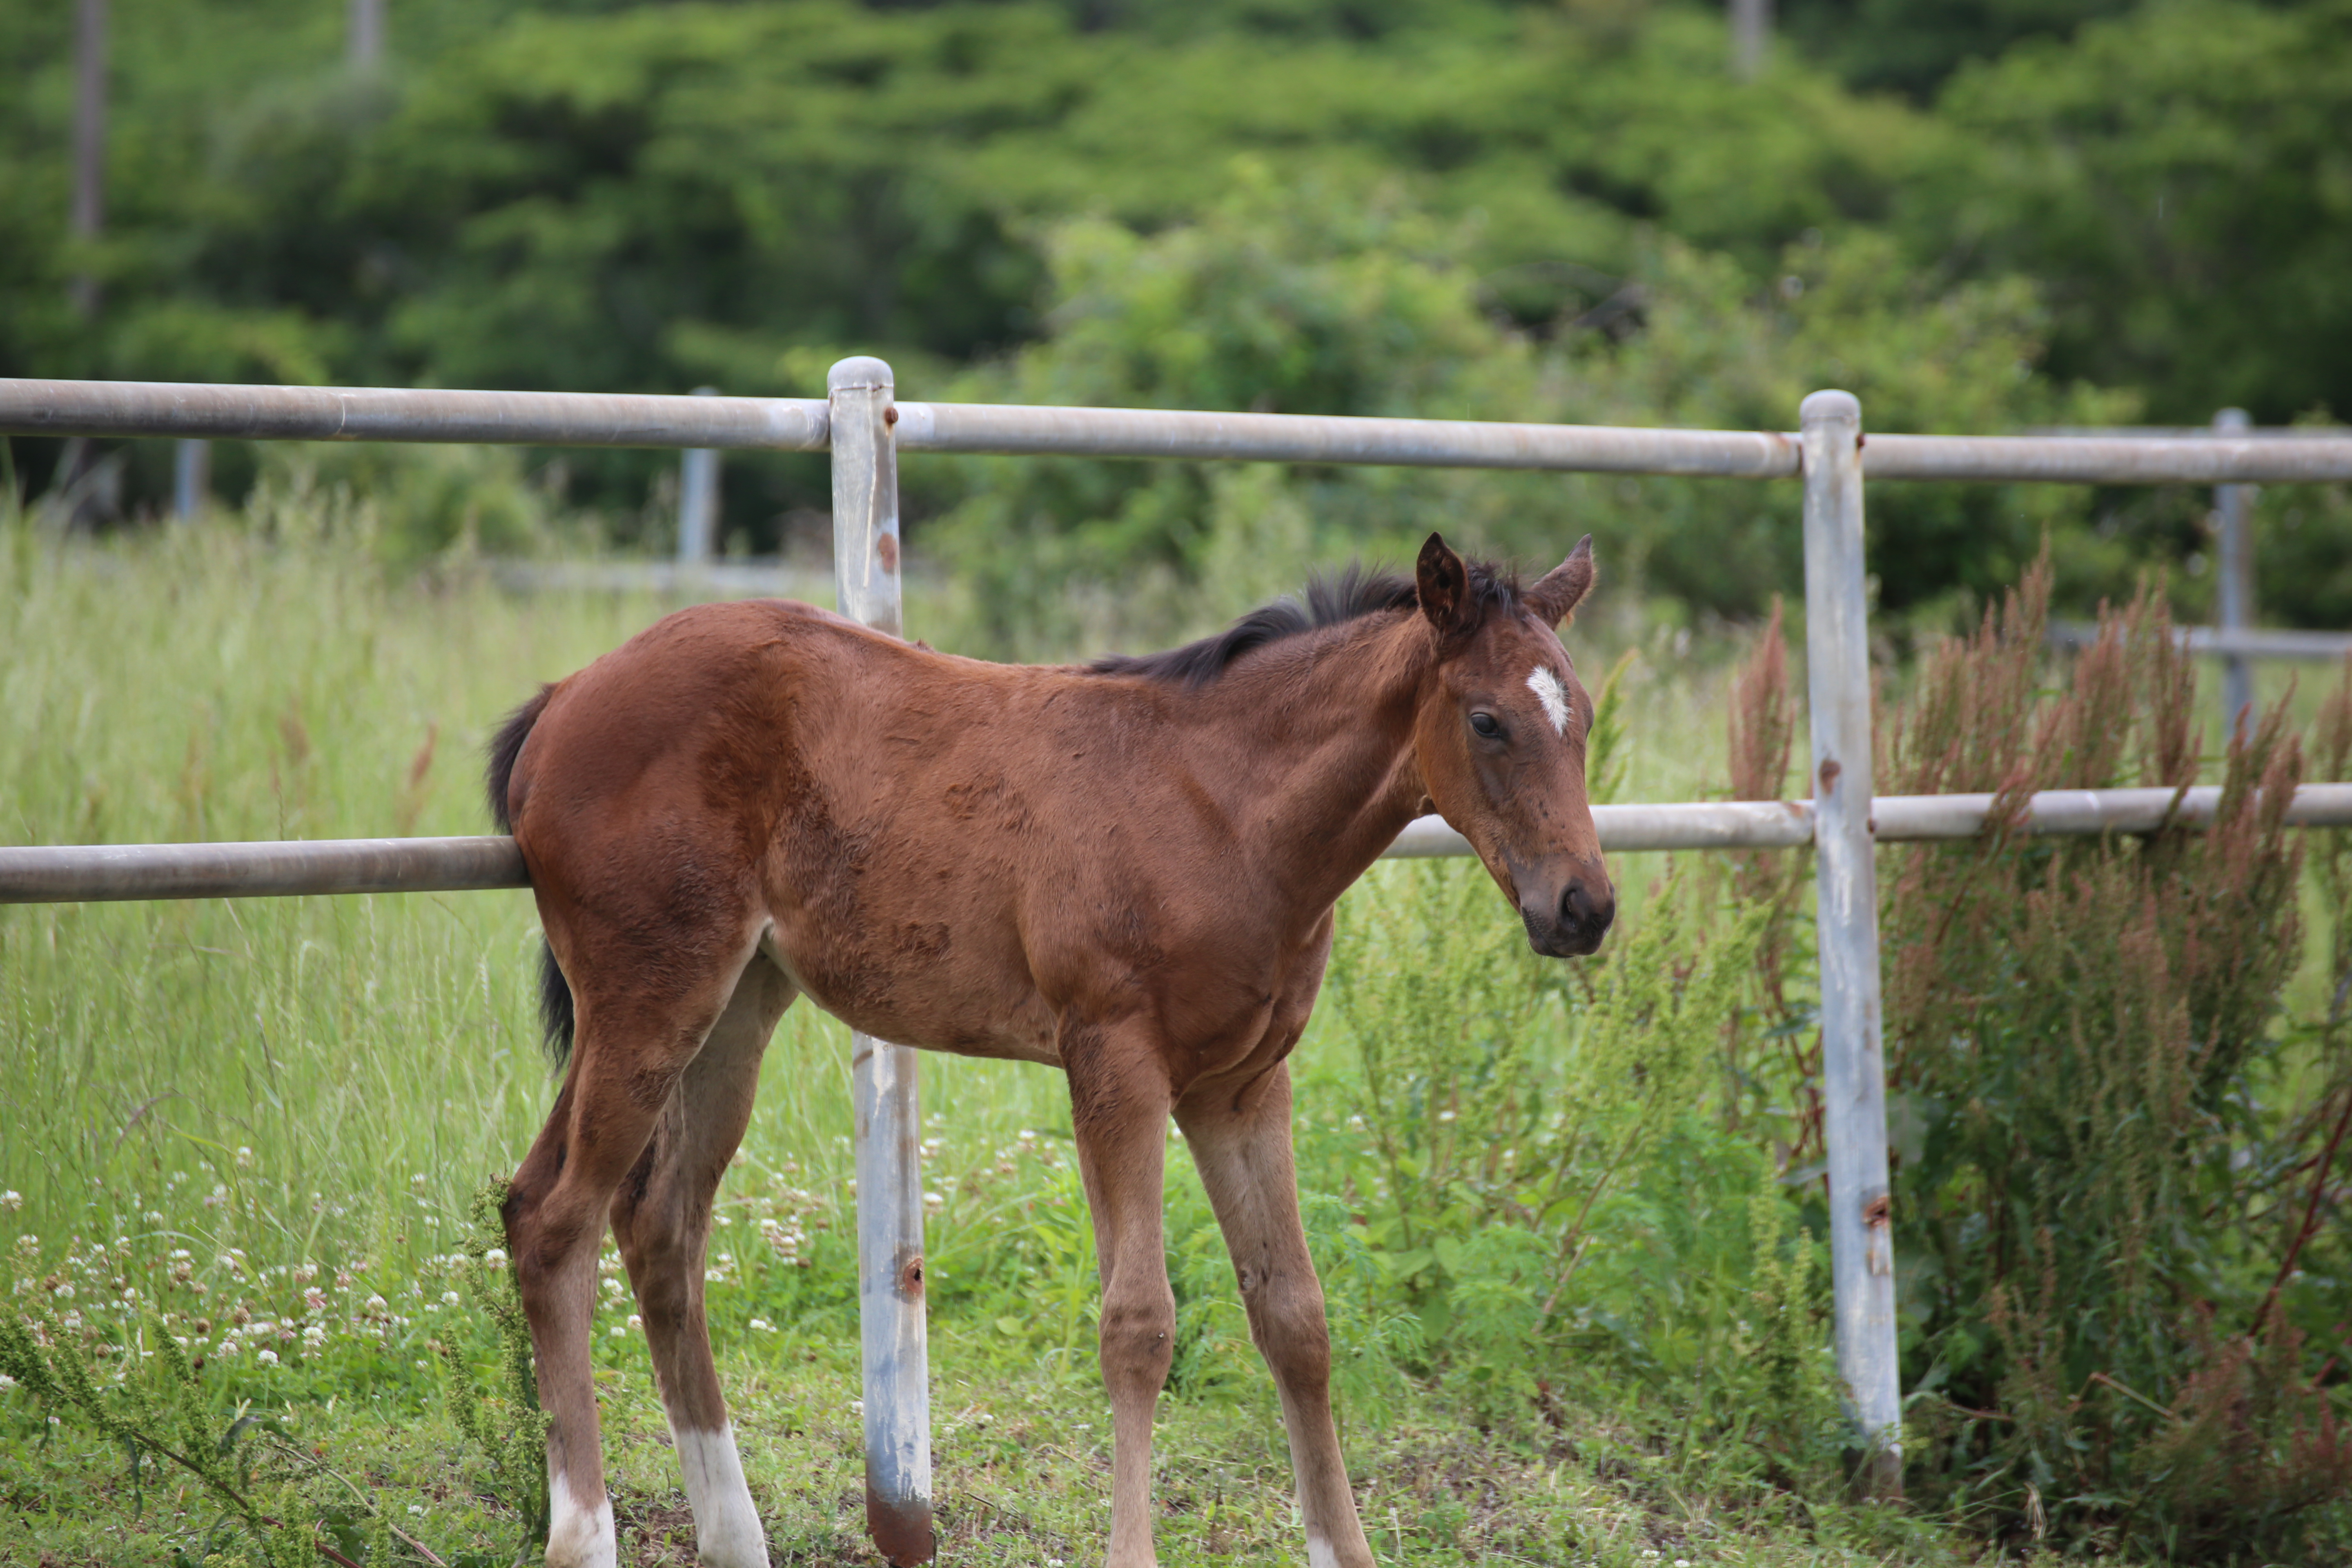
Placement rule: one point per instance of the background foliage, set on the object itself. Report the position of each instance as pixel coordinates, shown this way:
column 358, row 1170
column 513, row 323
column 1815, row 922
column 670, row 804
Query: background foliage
column 2090, row 212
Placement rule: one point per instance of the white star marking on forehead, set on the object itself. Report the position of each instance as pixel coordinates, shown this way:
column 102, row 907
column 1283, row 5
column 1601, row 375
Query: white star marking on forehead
column 1552, row 695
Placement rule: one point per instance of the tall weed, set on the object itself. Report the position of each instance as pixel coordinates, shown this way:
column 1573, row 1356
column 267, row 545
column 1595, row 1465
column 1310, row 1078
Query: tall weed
column 1535, row 1171
column 2092, row 1169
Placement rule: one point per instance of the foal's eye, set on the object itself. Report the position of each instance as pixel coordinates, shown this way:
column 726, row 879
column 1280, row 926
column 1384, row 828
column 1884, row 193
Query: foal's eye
column 1485, row 724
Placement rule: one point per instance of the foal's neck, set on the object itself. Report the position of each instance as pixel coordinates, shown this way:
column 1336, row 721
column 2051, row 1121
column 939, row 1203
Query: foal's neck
column 1322, row 728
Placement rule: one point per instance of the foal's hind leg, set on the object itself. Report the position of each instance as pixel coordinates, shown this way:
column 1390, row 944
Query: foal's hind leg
column 639, row 1026
column 661, row 1217
column 1242, row 1146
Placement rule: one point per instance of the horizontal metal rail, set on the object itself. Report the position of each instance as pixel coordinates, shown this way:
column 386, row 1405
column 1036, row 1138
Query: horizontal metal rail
column 757, row 577
column 95, row 873
column 2240, row 642
column 134, row 408
column 984, row 428
column 1895, row 819
column 196, row 409
column 2108, row 461
column 92, row 874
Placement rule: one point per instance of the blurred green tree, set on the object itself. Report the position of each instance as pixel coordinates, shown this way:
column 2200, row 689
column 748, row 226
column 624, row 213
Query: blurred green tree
column 1298, row 300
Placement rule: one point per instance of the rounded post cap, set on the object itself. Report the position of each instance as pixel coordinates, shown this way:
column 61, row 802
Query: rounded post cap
column 1830, row 405
column 857, row 370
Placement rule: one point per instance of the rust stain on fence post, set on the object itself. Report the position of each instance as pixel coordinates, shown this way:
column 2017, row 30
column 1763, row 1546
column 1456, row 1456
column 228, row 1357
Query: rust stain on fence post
column 902, row 1531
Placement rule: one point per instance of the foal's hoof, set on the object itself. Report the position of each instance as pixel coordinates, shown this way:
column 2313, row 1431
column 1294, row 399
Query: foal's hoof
column 578, row 1538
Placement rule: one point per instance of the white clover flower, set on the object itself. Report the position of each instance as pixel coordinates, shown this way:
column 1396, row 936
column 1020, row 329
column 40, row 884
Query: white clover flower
column 450, row 1298
column 267, row 1358
column 763, row 1325
column 496, row 1257
column 6, row 1383
column 12, row 1200
column 315, row 1335
column 618, row 1332
column 376, row 1304
column 636, row 1321
column 244, row 1157
column 417, row 1509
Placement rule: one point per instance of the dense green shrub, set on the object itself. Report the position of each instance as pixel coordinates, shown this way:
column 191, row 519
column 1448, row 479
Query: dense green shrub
column 1317, row 301
column 2302, row 555
column 2176, row 177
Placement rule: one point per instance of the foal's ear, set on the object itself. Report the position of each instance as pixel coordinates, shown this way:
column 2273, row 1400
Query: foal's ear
column 1558, row 592
column 1443, row 583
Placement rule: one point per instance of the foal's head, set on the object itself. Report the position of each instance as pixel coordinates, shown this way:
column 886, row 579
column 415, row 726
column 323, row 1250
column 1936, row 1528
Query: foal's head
column 1500, row 739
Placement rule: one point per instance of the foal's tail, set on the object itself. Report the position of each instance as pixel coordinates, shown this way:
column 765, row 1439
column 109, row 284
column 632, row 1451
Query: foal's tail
column 505, row 748
column 555, row 1016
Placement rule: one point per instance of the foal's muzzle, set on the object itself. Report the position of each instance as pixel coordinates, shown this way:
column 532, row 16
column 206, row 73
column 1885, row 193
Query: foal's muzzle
column 1572, row 924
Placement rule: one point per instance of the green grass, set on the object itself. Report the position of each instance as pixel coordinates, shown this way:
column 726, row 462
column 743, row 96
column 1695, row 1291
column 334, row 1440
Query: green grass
column 277, row 1110
column 1022, row 1458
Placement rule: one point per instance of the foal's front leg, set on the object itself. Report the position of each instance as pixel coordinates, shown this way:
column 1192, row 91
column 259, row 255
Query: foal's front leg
column 1118, row 1114
column 1241, row 1143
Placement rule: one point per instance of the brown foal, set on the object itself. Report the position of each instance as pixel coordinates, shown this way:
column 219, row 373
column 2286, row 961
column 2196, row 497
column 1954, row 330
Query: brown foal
column 1127, row 871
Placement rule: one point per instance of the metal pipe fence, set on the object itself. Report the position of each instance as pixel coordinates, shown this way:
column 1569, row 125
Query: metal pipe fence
column 2227, row 642
column 71, row 874
column 865, row 429
column 132, row 408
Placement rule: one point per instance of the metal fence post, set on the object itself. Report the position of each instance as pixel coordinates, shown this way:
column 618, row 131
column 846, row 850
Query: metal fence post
column 191, row 480
column 889, row 1115
column 697, row 504
column 2233, row 508
column 1854, row 1070
column 1751, row 35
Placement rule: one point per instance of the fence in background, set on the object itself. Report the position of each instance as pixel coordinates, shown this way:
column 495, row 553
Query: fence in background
column 2234, row 638
column 865, row 429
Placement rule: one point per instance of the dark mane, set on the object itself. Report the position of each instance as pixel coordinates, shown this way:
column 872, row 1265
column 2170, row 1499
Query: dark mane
column 1328, row 602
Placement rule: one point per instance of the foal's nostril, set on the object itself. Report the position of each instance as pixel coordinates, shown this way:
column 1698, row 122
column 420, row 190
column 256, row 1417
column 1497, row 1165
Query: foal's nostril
column 1580, row 910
